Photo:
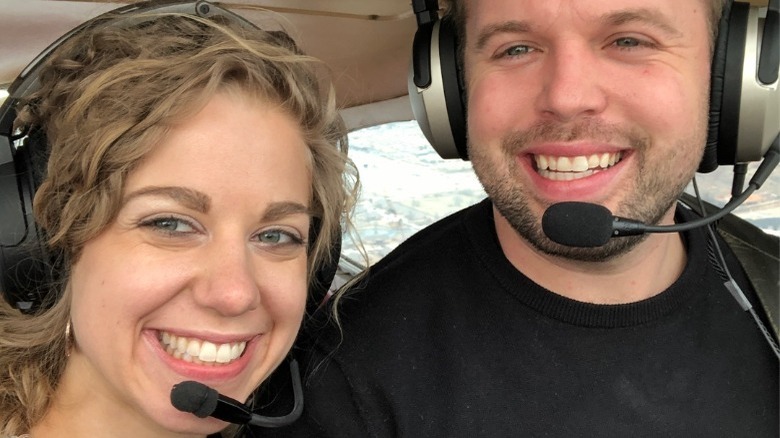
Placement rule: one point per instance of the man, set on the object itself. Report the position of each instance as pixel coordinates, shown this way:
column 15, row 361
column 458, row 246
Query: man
column 480, row 325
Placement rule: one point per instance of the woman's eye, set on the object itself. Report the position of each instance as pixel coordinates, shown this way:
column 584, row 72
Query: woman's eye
column 170, row 225
column 278, row 238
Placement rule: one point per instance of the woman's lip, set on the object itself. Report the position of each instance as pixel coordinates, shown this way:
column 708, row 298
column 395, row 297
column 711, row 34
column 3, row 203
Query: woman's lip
column 202, row 373
column 211, row 337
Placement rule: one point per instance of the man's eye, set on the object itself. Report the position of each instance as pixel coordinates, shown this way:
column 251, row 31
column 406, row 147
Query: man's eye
column 517, row 51
column 628, row 43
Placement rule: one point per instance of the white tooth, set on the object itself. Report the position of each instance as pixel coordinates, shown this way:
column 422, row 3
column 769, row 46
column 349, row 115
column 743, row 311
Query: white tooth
column 564, row 164
column 223, row 353
column 604, row 160
column 177, row 354
column 172, row 340
column 186, row 357
column 541, row 162
column 193, row 348
column 181, row 344
column 579, row 164
column 234, row 351
column 612, row 159
column 593, row 161
column 166, row 338
column 552, row 163
column 208, row 352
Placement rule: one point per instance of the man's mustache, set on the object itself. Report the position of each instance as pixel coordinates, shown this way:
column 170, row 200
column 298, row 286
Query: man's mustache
column 585, row 130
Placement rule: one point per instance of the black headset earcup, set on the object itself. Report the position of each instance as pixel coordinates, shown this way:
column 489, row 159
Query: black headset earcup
column 436, row 89
column 28, row 271
column 744, row 113
column 709, row 160
column 726, row 88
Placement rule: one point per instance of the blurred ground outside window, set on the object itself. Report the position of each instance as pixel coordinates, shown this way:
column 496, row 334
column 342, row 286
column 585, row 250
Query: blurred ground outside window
column 407, row 186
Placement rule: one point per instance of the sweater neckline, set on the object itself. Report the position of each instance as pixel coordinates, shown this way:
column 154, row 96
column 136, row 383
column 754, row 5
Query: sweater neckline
column 481, row 230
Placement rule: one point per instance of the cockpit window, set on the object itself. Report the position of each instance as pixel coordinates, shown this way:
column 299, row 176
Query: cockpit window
column 762, row 209
column 407, row 186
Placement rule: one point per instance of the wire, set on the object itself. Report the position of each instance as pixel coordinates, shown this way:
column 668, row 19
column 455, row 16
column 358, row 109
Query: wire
column 719, row 264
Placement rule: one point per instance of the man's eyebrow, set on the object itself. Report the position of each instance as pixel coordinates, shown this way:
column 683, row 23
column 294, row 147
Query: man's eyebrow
column 279, row 210
column 647, row 16
column 189, row 198
column 488, row 32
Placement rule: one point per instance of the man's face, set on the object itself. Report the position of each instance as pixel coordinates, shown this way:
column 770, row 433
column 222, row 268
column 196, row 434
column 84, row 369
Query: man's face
column 601, row 101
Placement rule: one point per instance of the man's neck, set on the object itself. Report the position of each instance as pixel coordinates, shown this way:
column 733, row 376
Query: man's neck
column 645, row 271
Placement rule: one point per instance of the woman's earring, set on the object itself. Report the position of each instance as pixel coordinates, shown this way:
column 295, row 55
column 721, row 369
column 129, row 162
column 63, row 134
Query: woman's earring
column 68, row 339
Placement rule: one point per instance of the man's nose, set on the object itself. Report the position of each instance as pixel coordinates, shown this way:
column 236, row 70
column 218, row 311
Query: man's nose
column 573, row 84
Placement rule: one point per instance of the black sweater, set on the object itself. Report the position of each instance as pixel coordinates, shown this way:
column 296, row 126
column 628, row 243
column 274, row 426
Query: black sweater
column 448, row 339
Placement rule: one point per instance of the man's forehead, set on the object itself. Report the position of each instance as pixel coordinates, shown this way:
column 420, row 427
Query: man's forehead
column 531, row 15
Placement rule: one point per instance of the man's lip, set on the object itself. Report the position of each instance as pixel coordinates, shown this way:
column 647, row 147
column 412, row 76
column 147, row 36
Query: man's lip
column 588, row 189
column 573, row 149
column 575, row 165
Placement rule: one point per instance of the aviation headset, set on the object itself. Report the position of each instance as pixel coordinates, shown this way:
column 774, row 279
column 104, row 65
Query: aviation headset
column 744, row 98
column 28, row 270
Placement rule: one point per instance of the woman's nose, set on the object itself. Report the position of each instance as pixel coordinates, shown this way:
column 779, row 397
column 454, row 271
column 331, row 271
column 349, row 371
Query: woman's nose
column 230, row 279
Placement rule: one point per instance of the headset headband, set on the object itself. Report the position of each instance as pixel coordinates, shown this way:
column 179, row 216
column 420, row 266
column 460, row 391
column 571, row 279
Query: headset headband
column 28, row 271
column 744, row 101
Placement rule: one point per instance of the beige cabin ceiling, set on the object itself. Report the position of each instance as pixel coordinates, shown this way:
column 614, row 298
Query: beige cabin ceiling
column 366, row 43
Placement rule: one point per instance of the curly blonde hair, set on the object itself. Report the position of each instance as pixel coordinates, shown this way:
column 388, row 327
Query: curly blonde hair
column 108, row 95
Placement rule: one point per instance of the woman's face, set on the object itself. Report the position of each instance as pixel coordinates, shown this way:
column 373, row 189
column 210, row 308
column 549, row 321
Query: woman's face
column 202, row 276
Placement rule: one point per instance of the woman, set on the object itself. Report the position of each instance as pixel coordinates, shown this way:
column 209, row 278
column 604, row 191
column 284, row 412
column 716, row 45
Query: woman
column 192, row 161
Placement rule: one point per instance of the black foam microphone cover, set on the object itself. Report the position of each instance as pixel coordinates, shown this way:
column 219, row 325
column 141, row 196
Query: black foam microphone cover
column 578, row 224
column 195, row 398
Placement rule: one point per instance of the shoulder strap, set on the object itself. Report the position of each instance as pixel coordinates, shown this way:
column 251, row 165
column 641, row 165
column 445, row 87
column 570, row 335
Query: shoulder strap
column 758, row 254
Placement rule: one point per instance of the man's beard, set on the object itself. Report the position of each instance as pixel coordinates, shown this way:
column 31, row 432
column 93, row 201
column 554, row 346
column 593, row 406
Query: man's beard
column 657, row 184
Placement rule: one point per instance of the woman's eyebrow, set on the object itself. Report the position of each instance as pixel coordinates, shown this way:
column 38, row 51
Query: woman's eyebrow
column 190, row 198
column 278, row 210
